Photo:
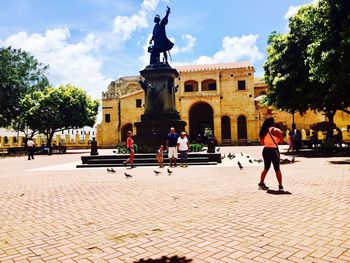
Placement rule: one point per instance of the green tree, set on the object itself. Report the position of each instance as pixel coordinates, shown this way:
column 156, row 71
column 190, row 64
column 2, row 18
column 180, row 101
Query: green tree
column 20, row 74
column 286, row 73
column 329, row 56
column 308, row 68
column 55, row 109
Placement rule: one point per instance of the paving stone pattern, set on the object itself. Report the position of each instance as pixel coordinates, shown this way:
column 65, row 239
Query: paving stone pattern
column 205, row 214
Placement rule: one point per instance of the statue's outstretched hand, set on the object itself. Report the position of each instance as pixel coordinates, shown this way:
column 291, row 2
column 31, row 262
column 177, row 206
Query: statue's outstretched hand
column 168, row 9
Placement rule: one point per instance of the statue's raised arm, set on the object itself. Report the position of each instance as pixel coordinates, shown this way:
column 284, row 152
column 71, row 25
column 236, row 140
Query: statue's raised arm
column 161, row 43
column 165, row 18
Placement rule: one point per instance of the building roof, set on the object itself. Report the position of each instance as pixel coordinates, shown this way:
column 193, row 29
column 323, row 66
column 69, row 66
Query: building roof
column 130, row 78
column 232, row 65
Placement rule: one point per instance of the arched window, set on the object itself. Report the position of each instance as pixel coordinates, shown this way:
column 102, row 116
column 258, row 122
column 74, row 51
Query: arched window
column 209, row 84
column 191, row 86
column 201, row 121
column 226, row 128
column 242, row 127
column 124, row 131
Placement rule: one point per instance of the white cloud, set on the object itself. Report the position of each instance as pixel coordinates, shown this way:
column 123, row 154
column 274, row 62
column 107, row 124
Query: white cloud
column 291, row 11
column 73, row 63
column 144, row 59
column 125, row 26
column 189, row 44
column 234, row 49
column 149, row 5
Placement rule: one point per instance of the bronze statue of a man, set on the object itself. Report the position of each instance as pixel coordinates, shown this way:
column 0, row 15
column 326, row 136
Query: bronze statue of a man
column 161, row 43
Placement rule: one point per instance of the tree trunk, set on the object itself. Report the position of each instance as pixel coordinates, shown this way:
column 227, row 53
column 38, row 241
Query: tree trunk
column 293, row 122
column 330, row 116
column 49, row 137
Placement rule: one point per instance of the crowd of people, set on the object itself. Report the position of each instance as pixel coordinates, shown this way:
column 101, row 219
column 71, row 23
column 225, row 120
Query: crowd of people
column 175, row 145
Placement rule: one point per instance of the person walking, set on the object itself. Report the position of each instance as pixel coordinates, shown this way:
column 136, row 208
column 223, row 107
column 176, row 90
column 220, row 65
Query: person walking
column 171, row 146
column 297, row 140
column 130, row 146
column 31, row 148
column 183, row 146
column 270, row 137
column 290, row 142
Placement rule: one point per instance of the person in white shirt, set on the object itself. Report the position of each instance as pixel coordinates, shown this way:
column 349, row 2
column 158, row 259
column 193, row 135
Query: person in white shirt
column 183, row 146
column 31, row 148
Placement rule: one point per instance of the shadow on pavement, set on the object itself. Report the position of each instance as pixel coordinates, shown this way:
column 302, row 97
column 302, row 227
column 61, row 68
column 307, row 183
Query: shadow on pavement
column 320, row 153
column 341, row 162
column 278, row 192
column 164, row 259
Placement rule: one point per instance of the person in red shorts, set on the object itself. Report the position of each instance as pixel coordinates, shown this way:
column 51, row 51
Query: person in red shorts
column 130, row 146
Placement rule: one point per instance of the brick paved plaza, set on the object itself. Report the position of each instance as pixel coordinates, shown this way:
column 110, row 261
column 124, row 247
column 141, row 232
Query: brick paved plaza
column 52, row 212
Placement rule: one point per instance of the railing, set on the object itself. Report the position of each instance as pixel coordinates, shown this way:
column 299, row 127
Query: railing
column 7, row 142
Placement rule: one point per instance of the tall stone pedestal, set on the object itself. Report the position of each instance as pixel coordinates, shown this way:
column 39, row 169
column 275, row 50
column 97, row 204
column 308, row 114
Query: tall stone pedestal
column 160, row 112
column 152, row 133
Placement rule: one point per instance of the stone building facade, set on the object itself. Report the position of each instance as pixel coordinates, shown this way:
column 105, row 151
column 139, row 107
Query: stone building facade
column 222, row 98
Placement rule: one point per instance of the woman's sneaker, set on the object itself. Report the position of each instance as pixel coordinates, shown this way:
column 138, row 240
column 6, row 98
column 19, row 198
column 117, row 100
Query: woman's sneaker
column 262, row 186
column 280, row 188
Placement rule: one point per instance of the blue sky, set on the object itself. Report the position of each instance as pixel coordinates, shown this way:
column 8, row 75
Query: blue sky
column 88, row 43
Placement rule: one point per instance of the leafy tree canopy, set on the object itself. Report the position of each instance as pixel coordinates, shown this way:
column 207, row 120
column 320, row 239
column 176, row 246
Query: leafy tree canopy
column 309, row 67
column 20, row 74
column 54, row 109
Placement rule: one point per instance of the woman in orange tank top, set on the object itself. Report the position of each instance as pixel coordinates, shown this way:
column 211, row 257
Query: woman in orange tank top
column 270, row 137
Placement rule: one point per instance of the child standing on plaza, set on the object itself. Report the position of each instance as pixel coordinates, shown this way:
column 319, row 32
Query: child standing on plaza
column 159, row 156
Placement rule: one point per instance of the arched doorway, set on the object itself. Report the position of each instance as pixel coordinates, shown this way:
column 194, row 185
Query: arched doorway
column 242, row 127
column 124, row 131
column 226, row 128
column 201, row 121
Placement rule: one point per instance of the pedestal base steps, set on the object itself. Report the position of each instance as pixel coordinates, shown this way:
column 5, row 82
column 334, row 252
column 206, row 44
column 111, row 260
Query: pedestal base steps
column 146, row 159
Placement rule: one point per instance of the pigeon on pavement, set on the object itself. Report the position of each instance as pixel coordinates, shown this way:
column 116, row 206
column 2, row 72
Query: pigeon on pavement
column 240, row 165
column 169, row 171
column 128, row 175
column 157, row 172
